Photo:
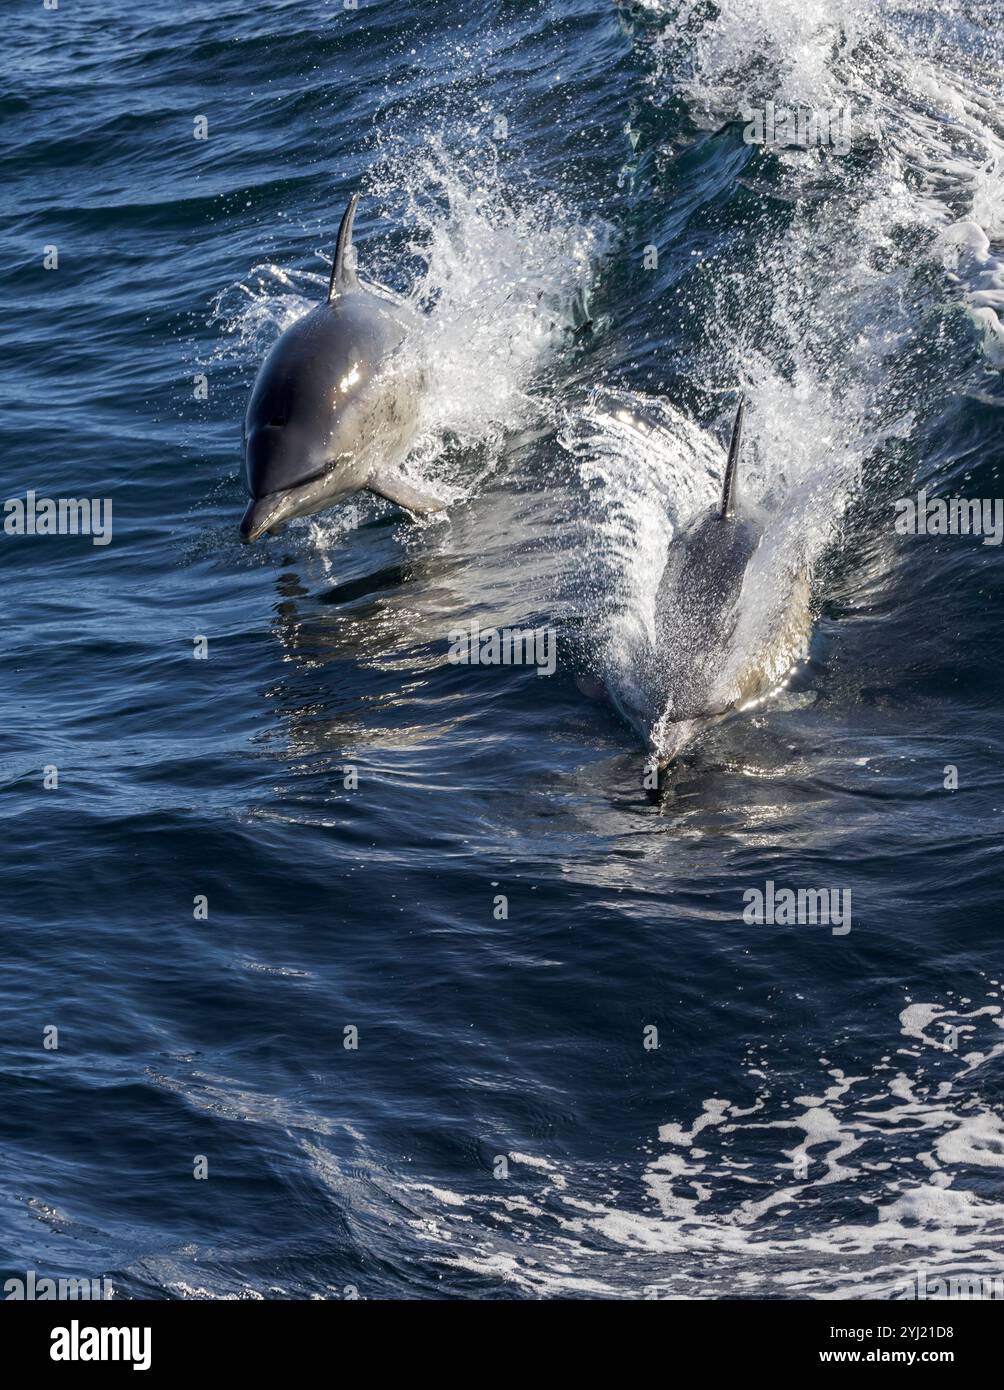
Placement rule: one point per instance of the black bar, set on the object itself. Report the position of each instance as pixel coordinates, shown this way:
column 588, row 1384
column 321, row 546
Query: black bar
column 267, row 1338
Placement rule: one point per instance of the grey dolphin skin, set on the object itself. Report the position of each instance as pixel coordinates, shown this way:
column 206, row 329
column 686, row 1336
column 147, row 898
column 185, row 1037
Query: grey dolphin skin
column 697, row 608
column 698, row 595
column 334, row 406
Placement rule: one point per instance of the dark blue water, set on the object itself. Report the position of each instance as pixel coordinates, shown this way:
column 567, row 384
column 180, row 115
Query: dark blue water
column 823, row 1112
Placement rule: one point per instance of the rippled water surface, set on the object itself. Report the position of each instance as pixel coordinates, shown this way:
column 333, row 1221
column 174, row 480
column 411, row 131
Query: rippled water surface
column 412, row 1027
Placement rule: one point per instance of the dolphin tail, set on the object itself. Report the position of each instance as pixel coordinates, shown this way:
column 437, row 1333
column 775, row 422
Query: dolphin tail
column 343, row 275
column 732, row 467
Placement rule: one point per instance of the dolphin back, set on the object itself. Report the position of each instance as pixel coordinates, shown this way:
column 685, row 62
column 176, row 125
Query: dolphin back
column 698, row 600
column 696, row 609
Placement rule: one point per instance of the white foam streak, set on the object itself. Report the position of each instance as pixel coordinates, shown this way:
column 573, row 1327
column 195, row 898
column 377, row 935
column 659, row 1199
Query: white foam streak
column 857, row 1190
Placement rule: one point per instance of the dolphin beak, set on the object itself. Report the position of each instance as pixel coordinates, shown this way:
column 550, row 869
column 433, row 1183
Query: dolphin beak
column 262, row 513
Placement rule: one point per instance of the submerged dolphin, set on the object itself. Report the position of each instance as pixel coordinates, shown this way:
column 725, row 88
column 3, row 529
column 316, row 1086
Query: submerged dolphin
column 334, row 408
column 704, row 662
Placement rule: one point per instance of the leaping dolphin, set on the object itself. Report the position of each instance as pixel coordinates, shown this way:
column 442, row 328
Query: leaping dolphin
column 705, row 661
column 334, row 407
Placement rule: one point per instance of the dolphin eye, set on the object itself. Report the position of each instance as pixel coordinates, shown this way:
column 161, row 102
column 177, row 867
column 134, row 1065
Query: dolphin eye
column 277, row 421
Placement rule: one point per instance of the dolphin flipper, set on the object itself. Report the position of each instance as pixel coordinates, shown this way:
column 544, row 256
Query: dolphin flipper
column 390, row 484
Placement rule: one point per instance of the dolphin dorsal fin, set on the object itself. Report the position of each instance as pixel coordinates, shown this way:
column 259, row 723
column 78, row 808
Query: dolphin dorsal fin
column 732, row 466
column 343, row 275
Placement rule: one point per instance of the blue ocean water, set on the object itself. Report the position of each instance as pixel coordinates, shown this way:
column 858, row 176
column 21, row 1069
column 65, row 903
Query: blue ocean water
column 467, row 1011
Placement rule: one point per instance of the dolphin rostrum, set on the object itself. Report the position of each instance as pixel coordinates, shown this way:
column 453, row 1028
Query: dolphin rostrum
column 334, row 407
column 704, row 662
